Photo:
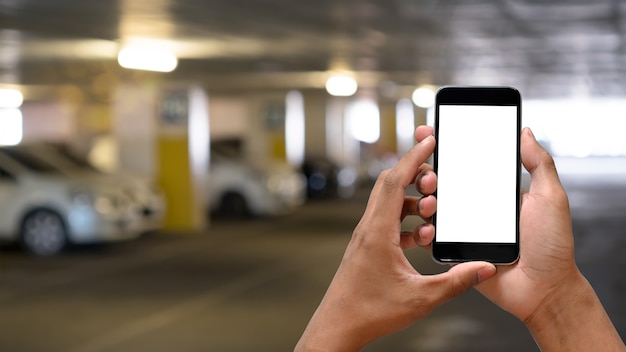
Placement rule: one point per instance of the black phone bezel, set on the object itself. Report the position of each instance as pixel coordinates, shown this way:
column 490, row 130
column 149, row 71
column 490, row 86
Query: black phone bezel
column 497, row 253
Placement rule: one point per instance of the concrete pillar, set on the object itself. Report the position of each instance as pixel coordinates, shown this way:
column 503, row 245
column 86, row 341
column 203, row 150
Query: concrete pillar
column 183, row 156
column 134, row 127
column 315, row 123
column 161, row 134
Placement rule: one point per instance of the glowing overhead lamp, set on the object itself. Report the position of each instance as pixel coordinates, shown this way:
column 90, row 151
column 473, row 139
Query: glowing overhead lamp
column 341, row 85
column 10, row 126
column 10, row 98
column 424, row 96
column 147, row 59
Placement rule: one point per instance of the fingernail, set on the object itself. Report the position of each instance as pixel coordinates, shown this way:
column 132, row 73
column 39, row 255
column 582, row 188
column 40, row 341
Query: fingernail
column 418, row 183
column 530, row 132
column 420, row 233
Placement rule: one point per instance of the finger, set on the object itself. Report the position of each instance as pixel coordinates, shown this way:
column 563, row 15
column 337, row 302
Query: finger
column 540, row 165
column 426, row 182
column 422, row 236
column 426, row 207
column 411, row 206
column 421, row 132
column 391, row 190
column 423, row 207
column 407, row 241
column 425, row 167
column 371, row 202
column 459, row 279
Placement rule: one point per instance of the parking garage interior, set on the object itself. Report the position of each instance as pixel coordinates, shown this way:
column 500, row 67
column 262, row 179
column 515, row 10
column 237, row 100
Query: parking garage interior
column 185, row 174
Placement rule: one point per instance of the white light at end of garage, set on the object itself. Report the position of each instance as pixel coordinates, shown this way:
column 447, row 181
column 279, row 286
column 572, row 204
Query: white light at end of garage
column 10, row 126
column 294, row 128
column 405, row 125
column 363, row 118
column 147, row 59
column 424, row 97
column 341, row 85
column 10, row 98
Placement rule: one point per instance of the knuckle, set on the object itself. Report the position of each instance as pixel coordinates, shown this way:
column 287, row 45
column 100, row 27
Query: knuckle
column 421, row 304
column 450, row 286
column 458, row 286
column 547, row 160
column 363, row 239
column 390, row 180
column 384, row 174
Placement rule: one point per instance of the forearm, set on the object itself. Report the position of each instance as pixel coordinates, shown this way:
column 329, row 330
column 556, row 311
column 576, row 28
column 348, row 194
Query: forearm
column 324, row 335
column 574, row 320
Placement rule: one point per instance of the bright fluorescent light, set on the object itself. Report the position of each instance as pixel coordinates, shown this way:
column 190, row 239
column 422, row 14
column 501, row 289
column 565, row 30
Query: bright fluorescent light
column 294, row 127
column 405, row 125
column 147, row 58
column 10, row 98
column 364, row 120
column 10, row 126
column 424, row 97
column 341, row 85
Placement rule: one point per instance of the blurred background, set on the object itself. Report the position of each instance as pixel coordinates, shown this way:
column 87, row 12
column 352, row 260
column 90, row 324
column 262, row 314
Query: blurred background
column 185, row 174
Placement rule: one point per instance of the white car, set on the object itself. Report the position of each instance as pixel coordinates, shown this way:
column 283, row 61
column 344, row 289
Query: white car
column 236, row 188
column 47, row 210
column 149, row 197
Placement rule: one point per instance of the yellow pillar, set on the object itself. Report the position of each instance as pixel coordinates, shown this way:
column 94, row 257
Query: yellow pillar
column 182, row 145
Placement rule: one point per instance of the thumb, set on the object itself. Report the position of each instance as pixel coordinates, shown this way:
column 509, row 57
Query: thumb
column 459, row 279
column 539, row 164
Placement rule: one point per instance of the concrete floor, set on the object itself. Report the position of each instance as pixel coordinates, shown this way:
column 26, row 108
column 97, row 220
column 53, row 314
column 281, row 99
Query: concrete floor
column 252, row 286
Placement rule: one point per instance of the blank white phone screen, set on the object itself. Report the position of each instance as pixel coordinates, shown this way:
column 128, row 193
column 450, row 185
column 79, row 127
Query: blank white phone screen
column 477, row 174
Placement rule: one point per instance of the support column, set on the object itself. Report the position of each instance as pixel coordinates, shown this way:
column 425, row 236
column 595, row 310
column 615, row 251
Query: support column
column 183, row 156
column 162, row 133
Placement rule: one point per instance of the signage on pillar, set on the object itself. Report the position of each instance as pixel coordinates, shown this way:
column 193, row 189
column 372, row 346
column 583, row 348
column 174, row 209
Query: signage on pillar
column 274, row 116
column 182, row 156
column 174, row 112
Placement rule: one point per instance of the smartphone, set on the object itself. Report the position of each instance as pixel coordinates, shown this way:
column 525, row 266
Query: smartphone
column 477, row 162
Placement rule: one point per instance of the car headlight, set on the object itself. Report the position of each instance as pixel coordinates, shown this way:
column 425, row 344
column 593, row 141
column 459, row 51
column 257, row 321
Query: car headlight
column 274, row 183
column 86, row 198
column 104, row 205
column 82, row 197
column 285, row 184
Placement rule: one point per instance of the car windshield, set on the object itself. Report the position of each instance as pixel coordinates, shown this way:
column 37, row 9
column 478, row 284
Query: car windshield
column 30, row 161
column 76, row 159
column 226, row 150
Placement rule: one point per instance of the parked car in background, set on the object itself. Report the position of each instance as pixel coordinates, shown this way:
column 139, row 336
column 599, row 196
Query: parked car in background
column 149, row 198
column 236, row 188
column 46, row 210
column 326, row 179
column 321, row 177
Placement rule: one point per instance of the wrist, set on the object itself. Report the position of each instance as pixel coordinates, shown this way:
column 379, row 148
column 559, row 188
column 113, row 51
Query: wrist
column 572, row 318
column 327, row 338
column 329, row 330
column 563, row 300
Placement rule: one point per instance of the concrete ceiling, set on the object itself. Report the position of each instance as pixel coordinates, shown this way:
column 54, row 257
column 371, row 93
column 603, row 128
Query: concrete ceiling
column 554, row 48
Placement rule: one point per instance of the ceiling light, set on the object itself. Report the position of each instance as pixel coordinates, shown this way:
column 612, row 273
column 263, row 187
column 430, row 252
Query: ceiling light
column 341, row 85
column 147, row 58
column 10, row 98
column 10, row 126
column 424, row 97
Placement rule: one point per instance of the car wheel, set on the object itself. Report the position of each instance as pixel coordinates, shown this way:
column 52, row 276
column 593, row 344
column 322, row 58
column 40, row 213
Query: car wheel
column 43, row 233
column 234, row 205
